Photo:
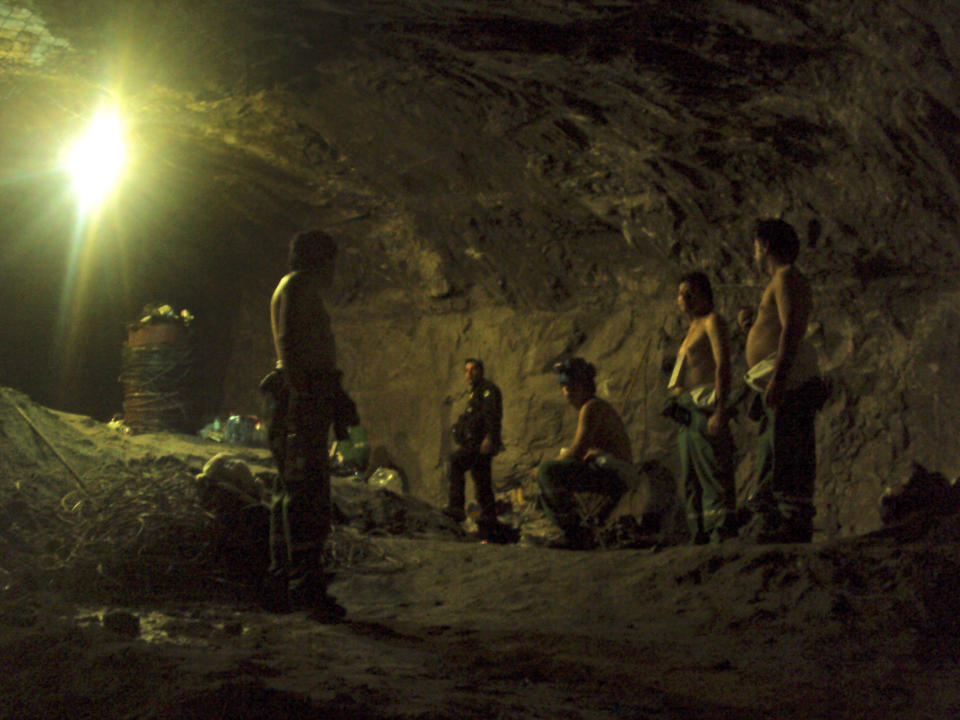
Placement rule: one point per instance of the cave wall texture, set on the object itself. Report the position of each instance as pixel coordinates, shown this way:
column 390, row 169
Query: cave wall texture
column 514, row 180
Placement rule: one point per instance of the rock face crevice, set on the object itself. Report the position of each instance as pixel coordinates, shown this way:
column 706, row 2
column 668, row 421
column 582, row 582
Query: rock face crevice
column 512, row 182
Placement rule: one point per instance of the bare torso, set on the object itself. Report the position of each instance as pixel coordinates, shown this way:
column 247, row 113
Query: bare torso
column 699, row 367
column 787, row 298
column 600, row 430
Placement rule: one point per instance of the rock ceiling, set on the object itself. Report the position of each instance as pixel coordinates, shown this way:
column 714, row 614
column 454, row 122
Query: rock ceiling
column 535, row 149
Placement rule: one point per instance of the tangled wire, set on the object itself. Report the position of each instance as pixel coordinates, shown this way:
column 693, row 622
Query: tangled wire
column 140, row 532
column 136, row 531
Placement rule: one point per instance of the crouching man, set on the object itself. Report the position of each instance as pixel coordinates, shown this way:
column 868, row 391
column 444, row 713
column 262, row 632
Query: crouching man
column 700, row 385
column 598, row 459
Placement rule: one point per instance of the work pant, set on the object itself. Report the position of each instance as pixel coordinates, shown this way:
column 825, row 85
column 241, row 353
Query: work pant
column 786, row 462
column 560, row 479
column 706, row 466
column 479, row 465
column 300, row 506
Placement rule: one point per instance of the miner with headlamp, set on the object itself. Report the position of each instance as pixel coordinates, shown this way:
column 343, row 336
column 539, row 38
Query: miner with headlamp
column 597, row 460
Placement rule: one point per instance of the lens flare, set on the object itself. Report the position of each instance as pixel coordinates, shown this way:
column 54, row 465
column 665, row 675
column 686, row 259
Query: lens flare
column 96, row 161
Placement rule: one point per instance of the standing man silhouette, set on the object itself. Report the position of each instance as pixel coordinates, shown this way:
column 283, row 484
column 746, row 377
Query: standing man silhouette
column 477, row 432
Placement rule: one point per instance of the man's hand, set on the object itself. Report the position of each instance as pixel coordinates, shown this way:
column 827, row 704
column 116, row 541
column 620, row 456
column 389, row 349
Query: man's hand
column 773, row 397
column 745, row 318
column 717, row 422
column 486, row 446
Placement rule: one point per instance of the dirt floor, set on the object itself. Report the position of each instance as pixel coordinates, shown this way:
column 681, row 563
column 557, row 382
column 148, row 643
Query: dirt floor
column 441, row 626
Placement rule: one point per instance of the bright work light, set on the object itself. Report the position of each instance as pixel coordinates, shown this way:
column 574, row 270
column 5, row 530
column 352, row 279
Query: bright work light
column 96, row 160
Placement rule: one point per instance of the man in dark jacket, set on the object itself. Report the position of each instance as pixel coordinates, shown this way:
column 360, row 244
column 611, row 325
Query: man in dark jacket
column 477, row 432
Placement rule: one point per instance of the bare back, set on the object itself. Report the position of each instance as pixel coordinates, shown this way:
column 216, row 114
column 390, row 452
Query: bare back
column 302, row 336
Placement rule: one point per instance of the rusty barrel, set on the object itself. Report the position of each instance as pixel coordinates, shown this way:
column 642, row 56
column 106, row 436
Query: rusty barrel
column 156, row 372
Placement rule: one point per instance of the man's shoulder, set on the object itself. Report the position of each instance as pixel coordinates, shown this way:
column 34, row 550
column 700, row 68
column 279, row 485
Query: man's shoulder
column 291, row 283
column 712, row 319
column 598, row 406
column 789, row 275
column 797, row 278
column 716, row 321
column 488, row 389
column 793, row 282
column 284, row 282
column 304, row 279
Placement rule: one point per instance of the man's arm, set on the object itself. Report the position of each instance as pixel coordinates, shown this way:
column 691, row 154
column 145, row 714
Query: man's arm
column 492, row 418
column 792, row 297
column 716, row 329
column 289, row 329
column 580, row 445
column 278, row 313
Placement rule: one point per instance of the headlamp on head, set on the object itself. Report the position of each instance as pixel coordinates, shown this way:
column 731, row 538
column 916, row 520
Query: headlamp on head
column 574, row 370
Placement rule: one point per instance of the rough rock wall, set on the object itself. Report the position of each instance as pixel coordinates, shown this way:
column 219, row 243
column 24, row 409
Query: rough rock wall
column 516, row 180
column 408, row 380
column 896, row 396
column 894, row 399
column 545, row 177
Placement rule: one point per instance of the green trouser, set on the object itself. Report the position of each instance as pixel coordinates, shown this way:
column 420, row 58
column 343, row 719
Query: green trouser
column 786, row 462
column 706, row 466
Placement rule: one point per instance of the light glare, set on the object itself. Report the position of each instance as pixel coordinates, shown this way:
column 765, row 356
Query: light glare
column 96, row 160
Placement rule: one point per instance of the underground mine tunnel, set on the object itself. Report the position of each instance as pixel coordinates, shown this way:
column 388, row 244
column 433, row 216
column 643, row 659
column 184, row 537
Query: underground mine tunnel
column 518, row 182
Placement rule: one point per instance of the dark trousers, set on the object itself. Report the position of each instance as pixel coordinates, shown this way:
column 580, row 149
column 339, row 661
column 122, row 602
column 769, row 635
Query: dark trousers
column 560, row 479
column 300, row 507
column 786, row 460
column 478, row 464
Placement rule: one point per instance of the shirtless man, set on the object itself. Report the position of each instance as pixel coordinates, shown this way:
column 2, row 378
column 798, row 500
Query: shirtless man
column 700, row 385
column 307, row 398
column 598, row 459
column 783, row 369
